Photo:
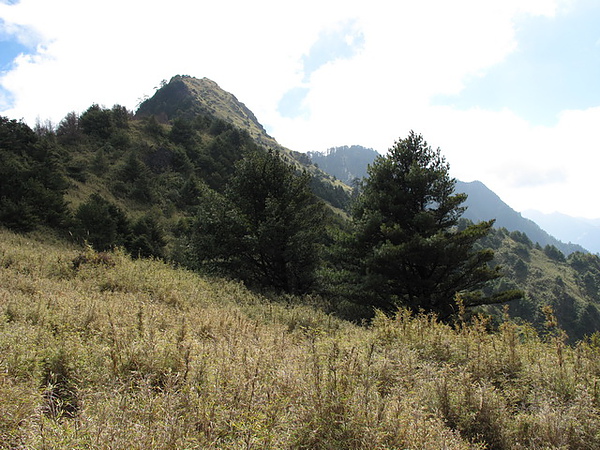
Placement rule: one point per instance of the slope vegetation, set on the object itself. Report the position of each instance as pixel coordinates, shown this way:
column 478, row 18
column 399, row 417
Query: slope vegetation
column 569, row 285
column 101, row 351
column 188, row 97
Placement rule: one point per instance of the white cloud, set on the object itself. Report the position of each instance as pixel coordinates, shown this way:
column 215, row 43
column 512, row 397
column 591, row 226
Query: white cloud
column 116, row 51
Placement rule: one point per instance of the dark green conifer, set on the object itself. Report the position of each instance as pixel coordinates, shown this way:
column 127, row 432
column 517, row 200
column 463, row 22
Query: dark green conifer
column 406, row 248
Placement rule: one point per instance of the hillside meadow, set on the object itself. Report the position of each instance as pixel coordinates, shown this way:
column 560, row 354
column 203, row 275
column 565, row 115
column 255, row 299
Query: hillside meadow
column 99, row 351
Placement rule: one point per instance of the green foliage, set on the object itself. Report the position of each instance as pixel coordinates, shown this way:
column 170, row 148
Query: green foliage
column 406, row 247
column 152, row 127
column 101, row 224
column 120, row 116
column 96, row 121
column 264, row 229
column 569, row 286
column 337, row 196
column 554, row 253
column 521, row 237
column 102, row 123
column 69, row 132
column 228, row 147
column 134, row 180
column 147, row 238
column 182, row 133
column 189, row 195
column 32, row 182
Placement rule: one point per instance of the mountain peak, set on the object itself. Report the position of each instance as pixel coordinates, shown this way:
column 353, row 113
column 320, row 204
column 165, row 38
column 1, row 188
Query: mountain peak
column 186, row 96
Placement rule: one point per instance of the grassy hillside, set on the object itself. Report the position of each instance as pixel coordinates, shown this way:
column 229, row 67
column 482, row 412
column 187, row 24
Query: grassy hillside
column 101, row 351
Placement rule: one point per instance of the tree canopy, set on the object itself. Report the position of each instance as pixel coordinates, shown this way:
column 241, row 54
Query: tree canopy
column 406, row 247
column 264, row 229
column 32, row 183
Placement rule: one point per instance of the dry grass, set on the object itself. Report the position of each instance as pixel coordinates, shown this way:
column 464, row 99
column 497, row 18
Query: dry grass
column 135, row 354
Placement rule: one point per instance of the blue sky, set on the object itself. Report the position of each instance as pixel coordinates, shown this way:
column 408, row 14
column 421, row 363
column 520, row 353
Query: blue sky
column 508, row 89
column 9, row 50
column 554, row 68
column 342, row 42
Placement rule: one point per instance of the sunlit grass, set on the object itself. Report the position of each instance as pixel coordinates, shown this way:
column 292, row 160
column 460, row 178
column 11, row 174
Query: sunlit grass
column 117, row 353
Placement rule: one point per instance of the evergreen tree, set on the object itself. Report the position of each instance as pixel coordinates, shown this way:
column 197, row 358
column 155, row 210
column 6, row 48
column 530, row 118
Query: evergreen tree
column 147, row 238
column 265, row 228
column 101, row 224
column 97, row 122
column 183, row 133
column 69, row 131
column 406, row 248
column 32, row 181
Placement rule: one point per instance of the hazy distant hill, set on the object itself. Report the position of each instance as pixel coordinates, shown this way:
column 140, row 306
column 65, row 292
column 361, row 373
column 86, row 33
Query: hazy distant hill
column 585, row 232
column 484, row 204
column 346, row 163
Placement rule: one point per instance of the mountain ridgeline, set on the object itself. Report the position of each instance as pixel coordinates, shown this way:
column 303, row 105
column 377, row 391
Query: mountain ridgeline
column 186, row 98
column 153, row 181
column 346, row 163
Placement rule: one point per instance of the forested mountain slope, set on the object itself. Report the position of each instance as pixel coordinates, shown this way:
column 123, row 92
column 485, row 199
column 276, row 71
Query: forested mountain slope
column 570, row 285
column 187, row 98
column 109, row 178
column 140, row 176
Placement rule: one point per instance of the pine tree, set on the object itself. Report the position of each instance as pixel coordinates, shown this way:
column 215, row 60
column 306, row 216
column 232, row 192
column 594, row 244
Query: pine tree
column 265, row 228
column 406, row 248
column 32, row 181
column 101, row 224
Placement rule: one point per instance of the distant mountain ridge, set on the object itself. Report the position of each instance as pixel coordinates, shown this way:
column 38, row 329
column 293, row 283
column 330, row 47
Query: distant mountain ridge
column 581, row 231
column 346, row 163
column 483, row 204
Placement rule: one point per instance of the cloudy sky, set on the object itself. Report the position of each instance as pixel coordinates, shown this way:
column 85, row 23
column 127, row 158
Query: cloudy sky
column 508, row 89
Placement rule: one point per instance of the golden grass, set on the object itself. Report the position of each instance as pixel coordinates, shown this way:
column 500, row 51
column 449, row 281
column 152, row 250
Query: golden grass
column 136, row 354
